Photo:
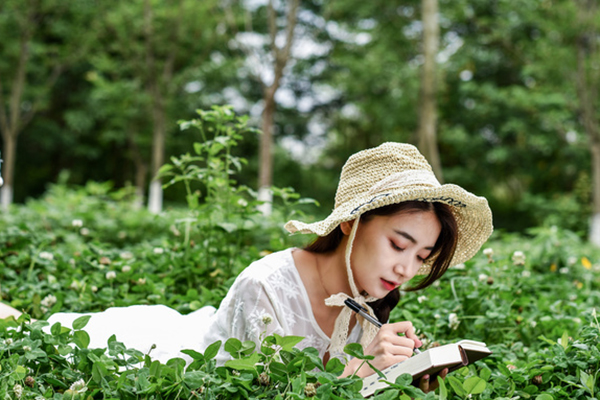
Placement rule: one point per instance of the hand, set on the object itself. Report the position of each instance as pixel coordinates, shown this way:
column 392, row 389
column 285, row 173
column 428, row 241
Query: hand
column 388, row 348
column 427, row 384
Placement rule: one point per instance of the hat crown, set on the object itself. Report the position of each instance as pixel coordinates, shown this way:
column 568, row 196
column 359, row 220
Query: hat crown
column 366, row 169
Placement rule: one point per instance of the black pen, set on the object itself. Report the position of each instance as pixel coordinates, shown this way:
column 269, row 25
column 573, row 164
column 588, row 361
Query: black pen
column 357, row 308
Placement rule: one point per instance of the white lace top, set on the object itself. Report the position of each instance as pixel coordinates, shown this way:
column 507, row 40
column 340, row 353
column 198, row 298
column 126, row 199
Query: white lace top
column 270, row 288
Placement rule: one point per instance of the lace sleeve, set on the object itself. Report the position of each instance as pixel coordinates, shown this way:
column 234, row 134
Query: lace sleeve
column 250, row 311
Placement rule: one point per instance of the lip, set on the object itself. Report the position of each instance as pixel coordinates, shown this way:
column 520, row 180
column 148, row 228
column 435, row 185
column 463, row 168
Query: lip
column 389, row 285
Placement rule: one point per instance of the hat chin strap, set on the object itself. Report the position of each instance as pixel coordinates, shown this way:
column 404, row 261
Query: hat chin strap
column 342, row 323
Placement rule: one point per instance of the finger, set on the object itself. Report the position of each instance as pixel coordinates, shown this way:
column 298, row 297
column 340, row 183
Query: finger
column 406, row 328
column 424, row 383
column 433, row 383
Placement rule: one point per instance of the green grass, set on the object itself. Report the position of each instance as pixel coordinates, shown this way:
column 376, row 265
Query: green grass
column 86, row 249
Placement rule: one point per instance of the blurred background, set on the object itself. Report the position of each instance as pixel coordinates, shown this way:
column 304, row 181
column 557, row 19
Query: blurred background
column 499, row 95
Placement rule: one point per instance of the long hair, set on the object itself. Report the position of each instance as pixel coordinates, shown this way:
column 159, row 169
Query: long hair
column 441, row 254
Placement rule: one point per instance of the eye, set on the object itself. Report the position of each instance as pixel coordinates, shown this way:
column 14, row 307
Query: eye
column 395, row 247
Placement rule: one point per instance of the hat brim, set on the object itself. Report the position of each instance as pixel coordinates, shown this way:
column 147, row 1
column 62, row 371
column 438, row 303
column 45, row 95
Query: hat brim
column 472, row 213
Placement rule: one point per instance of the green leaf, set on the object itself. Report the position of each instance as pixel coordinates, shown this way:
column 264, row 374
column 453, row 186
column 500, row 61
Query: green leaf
column 334, row 366
column 287, row 342
column 586, row 380
column 35, row 354
column 194, row 379
column 564, row 340
column 456, row 386
column 233, row 346
column 474, row 385
column 443, row 389
column 81, row 339
column 56, row 330
column 81, row 322
column 20, row 372
column 544, row 396
column 194, row 354
column 244, row 364
column 356, row 350
column 404, row 380
column 98, row 372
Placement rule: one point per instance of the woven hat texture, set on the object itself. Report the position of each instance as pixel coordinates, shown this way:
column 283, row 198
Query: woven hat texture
column 393, row 173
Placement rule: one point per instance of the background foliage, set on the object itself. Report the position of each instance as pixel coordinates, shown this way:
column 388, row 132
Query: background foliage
column 509, row 126
column 532, row 298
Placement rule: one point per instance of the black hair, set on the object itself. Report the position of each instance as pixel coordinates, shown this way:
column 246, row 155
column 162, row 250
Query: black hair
column 439, row 259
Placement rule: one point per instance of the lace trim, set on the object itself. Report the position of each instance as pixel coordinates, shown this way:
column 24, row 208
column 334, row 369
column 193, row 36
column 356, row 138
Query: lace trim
column 339, row 337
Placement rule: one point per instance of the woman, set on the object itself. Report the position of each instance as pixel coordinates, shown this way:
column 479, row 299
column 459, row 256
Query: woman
column 392, row 220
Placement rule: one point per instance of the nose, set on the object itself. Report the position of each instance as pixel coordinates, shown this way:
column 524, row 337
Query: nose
column 407, row 266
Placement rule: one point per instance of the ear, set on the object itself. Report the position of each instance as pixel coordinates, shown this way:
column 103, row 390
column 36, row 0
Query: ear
column 346, row 227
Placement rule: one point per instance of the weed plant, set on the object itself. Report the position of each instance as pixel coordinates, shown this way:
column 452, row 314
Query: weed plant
column 533, row 298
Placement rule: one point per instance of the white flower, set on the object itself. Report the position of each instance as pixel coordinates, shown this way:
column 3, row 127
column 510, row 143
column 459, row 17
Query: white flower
column 482, row 277
column 8, row 341
column 518, row 258
column 111, row 275
column 453, row 321
column 125, row 269
column 573, row 297
column 564, row 270
column 52, row 279
column 459, row 266
column 577, row 320
column 77, row 223
column 141, row 281
column 78, row 386
column 47, row 256
column 126, row 255
column 533, row 323
column 488, row 252
column 242, row 203
column 158, row 250
column 437, row 316
column 94, row 289
column 75, row 285
column 267, row 319
column 526, row 273
column 72, row 262
column 26, row 348
column 421, row 299
column 571, row 260
column 84, row 231
column 48, row 301
column 18, row 389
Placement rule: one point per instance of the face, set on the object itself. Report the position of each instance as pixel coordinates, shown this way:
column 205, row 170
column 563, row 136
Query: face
column 389, row 250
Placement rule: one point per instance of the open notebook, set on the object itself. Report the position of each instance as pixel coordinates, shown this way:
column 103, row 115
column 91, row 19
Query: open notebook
column 431, row 361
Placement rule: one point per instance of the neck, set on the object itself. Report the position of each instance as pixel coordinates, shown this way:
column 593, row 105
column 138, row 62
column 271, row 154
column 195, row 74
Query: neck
column 332, row 271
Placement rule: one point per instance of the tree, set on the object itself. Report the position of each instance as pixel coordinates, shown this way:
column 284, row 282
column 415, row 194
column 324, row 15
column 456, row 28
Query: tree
column 428, row 104
column 588, row 79
column 41, row 39
column 151, row 49
column 271, row 61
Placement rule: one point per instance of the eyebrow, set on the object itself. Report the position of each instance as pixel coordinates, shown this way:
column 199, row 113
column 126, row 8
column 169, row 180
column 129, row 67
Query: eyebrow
column 409, row 237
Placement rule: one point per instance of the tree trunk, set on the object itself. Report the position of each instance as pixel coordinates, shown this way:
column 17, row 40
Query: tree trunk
column 158, row 154
column 281, row 57
column 9, row 154
column 587, row 92
column 141, row 169
column 158, row 113
column 265, row 156
column 428, row 112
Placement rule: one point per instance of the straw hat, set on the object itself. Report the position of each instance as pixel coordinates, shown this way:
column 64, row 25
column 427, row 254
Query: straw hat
column 393, row 173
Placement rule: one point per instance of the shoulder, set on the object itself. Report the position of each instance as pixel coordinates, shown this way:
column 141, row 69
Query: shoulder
column 269, row 268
